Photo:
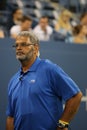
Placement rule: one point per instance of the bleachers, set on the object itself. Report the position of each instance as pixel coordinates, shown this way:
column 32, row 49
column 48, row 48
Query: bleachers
column 38, row 8
column 4, row 15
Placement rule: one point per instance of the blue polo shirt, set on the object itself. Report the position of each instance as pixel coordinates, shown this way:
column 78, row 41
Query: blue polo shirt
column 35, row 98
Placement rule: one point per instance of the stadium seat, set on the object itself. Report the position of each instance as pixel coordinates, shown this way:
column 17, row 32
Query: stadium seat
column 4, row 17
column 45, row 5
column 29, row 11
column 48, row 13
column 31, row 4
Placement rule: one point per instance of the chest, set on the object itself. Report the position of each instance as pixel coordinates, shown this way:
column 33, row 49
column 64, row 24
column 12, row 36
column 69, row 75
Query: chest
column 31, row 86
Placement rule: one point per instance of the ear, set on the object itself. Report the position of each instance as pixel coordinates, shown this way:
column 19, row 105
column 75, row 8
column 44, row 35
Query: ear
column 36, row 48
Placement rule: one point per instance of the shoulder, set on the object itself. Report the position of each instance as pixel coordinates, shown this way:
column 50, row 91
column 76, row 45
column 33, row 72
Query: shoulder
column 49, row 65
column 50, row 29
column 15, row 28
column 47, row 62
column 53, row 71
column 38, row 31
column 36, row 27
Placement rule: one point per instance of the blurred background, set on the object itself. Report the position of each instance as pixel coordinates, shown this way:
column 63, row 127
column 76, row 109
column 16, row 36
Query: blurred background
column 62, row 29
column 64, row 20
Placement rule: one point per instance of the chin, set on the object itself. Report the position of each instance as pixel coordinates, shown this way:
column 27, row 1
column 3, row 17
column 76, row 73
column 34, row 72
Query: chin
column 20, row 58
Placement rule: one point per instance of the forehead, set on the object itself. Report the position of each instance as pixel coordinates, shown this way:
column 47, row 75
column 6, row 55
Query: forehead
column 19, row 11
column 22, row 39
column 27, row 21
column 44, row 20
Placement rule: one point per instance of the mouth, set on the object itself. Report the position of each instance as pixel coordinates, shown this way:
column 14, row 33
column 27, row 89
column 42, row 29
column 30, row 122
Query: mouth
column 19, row 53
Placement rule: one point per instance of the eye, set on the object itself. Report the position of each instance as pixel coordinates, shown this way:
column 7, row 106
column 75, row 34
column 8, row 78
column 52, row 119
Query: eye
column 23, row 44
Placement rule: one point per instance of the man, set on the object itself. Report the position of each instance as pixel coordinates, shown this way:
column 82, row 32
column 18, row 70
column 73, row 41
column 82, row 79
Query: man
column 37, row 91
column 26, row 23
column 43, row 30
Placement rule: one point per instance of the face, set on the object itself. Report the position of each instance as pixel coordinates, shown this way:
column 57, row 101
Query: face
column 18, row 14
column 66, row 18
column 26, row 25
column 25, row 50
column 43, row 22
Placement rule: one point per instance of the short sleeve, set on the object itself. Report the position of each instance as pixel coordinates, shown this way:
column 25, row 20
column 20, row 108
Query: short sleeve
column 62, row 84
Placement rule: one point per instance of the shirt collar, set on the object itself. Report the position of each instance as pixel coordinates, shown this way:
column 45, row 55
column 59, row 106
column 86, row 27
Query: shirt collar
column 34, row 66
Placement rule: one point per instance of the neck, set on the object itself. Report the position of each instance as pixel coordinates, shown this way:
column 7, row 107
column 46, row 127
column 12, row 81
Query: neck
column 27, row 64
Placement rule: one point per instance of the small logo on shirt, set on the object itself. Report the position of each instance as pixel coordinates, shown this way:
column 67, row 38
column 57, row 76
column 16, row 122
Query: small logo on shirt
column 32, row 81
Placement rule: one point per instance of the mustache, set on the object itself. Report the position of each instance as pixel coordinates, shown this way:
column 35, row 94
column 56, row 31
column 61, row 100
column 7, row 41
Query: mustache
column 19, row 52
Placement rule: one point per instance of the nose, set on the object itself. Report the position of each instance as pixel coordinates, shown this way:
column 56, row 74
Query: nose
column 18, row 47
